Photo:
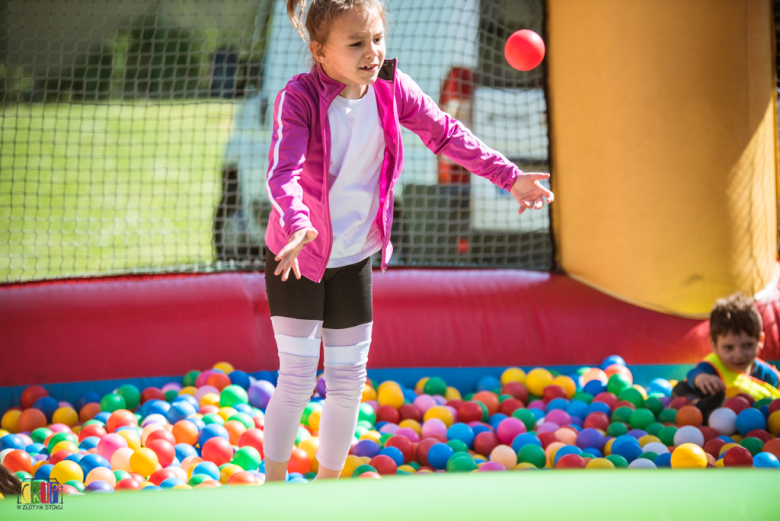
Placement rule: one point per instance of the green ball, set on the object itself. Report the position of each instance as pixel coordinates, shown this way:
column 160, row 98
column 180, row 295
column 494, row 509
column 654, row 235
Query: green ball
column 78, row 485
column 93, row 421
column 120, row 475
column 414, row 465
column 170, row 395
column 554, row 373
column 213, row 417
column 502, row 397
column 23, row 476
column 248, row 458
column 525, row 416
column 458, row 446
column 641, row 418
column 138, row 418
column 132, row 396
column 244, row 418
column 367, row 413
column 622, row 414
column 197, row 479
column 666, row 435
column 582, row 370
column 40, row 434
column 634, row 396
column 654, row 404
column 763, row 401
column 190, row 378
column 62, row 436
column 485, row 414
column 310, row 475
column 754, row 445
column 302, row 434
column 365, row 424
column 616, row 429
column 618, row 461
column 532, row 454
column 467, row 397
column 112, row 402
column 583, row 397
column 654, row 428
column 435, row 385
column 461, row 462
column 232, row 395
column 649, row 455
column 618, row 383
column 668, row 416
column 360, row 469
column 360, row 430
column 310, row 408
column 383, row 440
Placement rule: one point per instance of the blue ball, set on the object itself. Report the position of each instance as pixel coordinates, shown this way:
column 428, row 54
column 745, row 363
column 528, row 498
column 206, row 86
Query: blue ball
column 171, row 482
column 239, row 378
column 76, row 457
column 594, row 387
column 102, row 417
column 187, row 398
column 566, row 449
column 611, row 360
column 480, row 428
column 462, row 432
column 293, row 475
column 488, row 383
column 526, row 438
column 725, row 438
column 409, row 395
column 90, row 442
column 395, row 454
column 200, row 424
column 36, row 448
column 242, row 407
column 208, row 468
column 93, row 461
column 590, row 438
column 367, row 448
column 87, row 397
column 750, row 419
column 577, row 379
column 663, row 460
column 212, row 430
column 11, row 441
column 439, row 454
column 765, row 460
column 180, row 410
column 47, row 405
column 378, row 426
column 577, row 409
column 557, row 403
column 660, row 386
column 99, row 487
column 538, row 413
column 151, row 487
column 160, row 407
column 596, row 453
column 44, row 471
column 496, row 419
column 627, row 446
column 598, row 407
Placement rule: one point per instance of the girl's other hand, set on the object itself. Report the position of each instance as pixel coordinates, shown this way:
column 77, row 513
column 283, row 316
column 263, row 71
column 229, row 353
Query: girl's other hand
column 288, row 257
column 529, row 192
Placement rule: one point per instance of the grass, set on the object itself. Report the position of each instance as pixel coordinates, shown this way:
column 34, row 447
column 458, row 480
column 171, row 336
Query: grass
column 109, row 188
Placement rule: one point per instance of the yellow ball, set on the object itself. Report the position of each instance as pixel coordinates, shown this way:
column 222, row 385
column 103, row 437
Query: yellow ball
column 737, row 438
column 689, row 456
column 440, row 412
column 66, row 470
column 726, row 447
column 600, row 463
column 537, row 380
column 37, row 465
column 720, row 463
column 369, row 393
column 120, row 460
column 183, row 486
column 388, row 383
column 10, row 421
column 3, row 432
column 773, row 423
column 505, row 455
column 391, row 395
column 310, row 446
column 350, row 465
column 567, row 384
column 209, row 399
column 452, row 394
column 65, row 415
column 143, row 462
column 188, row 390
column 421, row 384
column 525, row 466
column 411, row 424
column 64, row 445
column 641, row 391
column 513, row 374
column 314, row 420
column 673, row 382
column 371, row 435
column 225, row 367
column 644, row 440
column 100, row 474
column 133, row 441
column 226, row 412
column 227, row 472
column 608, row 447
column 408, row 468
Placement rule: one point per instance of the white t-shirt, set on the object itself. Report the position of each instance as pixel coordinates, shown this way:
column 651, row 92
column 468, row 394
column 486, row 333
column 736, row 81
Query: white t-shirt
column 356, row 155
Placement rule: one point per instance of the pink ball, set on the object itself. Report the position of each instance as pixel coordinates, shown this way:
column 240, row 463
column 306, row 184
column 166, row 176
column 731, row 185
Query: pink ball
column 440, row 400
column 424, row 402
column 406, row 432
column 109, row 444
column 547, row 427
column 453, row 411
column 204, row 390
column 537, row 404
column 558, row 416
column 474, row 424
column 200, row 381
column 171, row 386
column 491, row 466
column 508, row 429
column 433, row 427
column 59, row 427
column 390, row 428
column 373, row 403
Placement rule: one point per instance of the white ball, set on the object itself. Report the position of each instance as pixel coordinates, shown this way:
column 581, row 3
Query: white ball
column 642, row 463
column 3, row 454
column 655, row 446
column 688, row 434
column 724, row 420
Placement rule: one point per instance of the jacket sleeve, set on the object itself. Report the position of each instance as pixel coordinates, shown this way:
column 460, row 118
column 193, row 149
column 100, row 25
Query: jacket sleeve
column 701, row 367
column 289, row 141
column 443, row 134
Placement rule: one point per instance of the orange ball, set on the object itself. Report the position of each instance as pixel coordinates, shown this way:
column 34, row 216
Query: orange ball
column 489, row 399
column 31, row 394
column 243, row 478
column 299, row 461
column 31, row 419
column 235, row 429
column 184, row 431
column 619, row 369
column 689, row 415
column 89, row 411
column 594, row 373
column 218, row 380
column 121, row 418
column 18, row 460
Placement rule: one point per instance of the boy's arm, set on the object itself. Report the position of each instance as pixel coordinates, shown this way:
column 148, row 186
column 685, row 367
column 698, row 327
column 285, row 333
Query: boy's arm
column 767, row 373
column 705, row 378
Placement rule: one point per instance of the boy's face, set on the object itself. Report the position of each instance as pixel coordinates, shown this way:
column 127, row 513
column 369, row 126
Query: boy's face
column 737, row 351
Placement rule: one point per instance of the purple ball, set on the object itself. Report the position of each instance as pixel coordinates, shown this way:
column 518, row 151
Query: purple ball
column 321, row 387
column 590, row 439
column 637, row 433
column 99, row 487
column 259, row 393
column 40, row 457
column 368, row 448
column 558, row 416
column 491, row 466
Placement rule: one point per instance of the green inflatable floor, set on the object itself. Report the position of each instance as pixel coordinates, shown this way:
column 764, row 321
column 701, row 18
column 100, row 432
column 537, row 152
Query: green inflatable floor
column 634, row 495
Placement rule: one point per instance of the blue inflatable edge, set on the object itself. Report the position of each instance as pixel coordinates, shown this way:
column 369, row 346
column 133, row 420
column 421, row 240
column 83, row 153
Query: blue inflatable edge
column 462, row 378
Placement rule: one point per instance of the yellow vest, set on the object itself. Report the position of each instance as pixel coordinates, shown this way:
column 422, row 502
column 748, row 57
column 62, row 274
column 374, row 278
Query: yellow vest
column 756, row 388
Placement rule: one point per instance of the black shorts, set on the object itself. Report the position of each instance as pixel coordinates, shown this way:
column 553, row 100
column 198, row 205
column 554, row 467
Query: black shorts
column 340, row 300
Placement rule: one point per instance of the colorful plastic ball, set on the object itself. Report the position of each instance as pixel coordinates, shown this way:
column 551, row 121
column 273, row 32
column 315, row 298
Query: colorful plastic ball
column 438, row 455
column 435, row 386
column 737, row 404
column 688, row 434
column 750, row 419
column 391, row 396
column 505, row 456
column 143, row 461
column 737, row 457
column 248, row 458
column 508, row 429
column 31, row 394
column 626, row 446
column 18, row 460
column 100, row 474
column 513, row 374
column 659, row 386
column 260, row 393
column 612, row 360
column 599, row 464
column 99, row 487
column 773, row 423
column 688, row 456
column 533, row 454
column 570, row 461
column 642, row 463
column 765, row 460
column 618, row 383
column 537, row 379
column 232, row 395
column 566, row 383
column 689, row 415
column 590, row 438
column 723, row 420
column 618, row 369
column 109, row 444
column 31, row 419
column 641, row 418
column 594, row 386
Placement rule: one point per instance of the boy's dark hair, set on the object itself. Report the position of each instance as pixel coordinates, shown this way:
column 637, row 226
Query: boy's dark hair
column 9, row 483
column 735, row 314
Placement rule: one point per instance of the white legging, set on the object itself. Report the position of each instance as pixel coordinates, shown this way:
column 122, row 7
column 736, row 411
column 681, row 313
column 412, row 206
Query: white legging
column 346, row 354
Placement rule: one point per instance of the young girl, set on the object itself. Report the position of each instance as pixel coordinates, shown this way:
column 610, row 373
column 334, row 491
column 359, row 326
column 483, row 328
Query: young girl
column 336, row 155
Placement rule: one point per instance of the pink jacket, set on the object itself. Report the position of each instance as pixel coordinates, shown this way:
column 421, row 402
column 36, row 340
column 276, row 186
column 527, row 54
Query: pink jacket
column 297, row 179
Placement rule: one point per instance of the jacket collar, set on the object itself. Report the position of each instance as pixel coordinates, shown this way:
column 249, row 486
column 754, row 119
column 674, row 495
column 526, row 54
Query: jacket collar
column 330, row 88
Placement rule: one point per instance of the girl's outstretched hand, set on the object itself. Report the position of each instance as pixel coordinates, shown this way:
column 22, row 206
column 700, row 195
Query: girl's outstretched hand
column 529, row 192
column 288, row 257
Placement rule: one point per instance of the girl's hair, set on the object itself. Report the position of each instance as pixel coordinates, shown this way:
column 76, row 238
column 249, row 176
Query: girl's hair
column 322, row 14
column 735, row 314
column 9, row 483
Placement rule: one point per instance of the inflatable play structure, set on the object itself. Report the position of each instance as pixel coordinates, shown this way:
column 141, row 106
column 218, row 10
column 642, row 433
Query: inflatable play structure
column 664, row 159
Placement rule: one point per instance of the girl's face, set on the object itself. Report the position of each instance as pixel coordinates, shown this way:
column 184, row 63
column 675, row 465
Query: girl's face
column 354, row 51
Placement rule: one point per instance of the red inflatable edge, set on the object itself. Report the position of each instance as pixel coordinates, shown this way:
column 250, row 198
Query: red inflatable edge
column 160, row 325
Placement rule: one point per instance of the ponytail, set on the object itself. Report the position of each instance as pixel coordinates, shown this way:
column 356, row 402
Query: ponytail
column 322, row 13
column 9, row 483
column 296, row 19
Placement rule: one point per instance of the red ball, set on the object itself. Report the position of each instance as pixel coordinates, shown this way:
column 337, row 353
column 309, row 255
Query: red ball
column 18, row 460
column 31, row 394
column 737, row 404
column 384, row 464
column 387, row 413
column 516, row 389
column 139, row 478
column 547, row 438
column 259, row 422
column 158, row 476
column 760, row 434
column 607, row 398
column 299, row 461
column 219, row 380
column 774, row 406
column 713, row 447
column 747, row 397
column 772, row 446
column 252, row 438
column 218, row 451
column 596, row 420
column 92, row 430
column 121, row 418
column 60, row 455
column 454, row 404
column 509, row 406
column 127, row 484
column 164, row 450
column 151, row 393
column 422, row 450
column 689, row 415
column 571, row 461
column 679, row 402
column 709, row 433
column 625, row 403
column 243, row 477
column 489, row 399
column 552, row 392
column 409, row 412
column 369, row 475
column 737, row 457
column 403, row 444
column 470, row 412
column 485, row 442
column 524, row 50
column 161, row 434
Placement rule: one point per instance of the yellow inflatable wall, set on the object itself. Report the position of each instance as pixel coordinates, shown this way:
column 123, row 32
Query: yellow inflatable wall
column 664, row 148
